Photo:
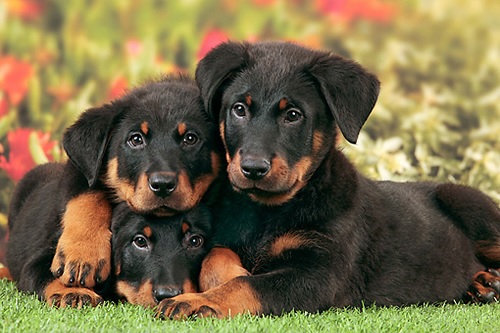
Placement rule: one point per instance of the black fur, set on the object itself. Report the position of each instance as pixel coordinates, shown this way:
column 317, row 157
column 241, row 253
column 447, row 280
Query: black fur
column 328, row 237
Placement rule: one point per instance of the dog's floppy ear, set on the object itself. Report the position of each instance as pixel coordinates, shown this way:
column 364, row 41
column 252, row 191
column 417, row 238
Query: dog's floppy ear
column 349, row 90
column 87, row 139
column 216, row 69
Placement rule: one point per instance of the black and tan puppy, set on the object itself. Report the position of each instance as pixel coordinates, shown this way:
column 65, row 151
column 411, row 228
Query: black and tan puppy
column 154, row 149
column 312, row 232
column 153, row 257
column 158, row 257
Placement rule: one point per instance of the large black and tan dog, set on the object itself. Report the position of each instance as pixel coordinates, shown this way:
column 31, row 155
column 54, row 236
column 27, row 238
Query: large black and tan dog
column 153, row 257
column 311, row 232
column 154, row 148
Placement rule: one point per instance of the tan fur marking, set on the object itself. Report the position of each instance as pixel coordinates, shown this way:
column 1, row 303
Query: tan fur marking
column 5, row 273
column 147, row 231
column 317, row 141
column 58, row 295
column 123, row 189
column 222, row 133
column 248, row 99
column 286, row 242
column 220, row 266
column 145, row 127
column 302, row 167
column 283, row 103
column 189, row 287
column 182, row 129
column 86, row 238
column 142, row 295
column 184, row 227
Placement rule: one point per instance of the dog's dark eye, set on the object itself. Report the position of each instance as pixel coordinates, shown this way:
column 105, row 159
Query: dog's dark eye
column 190, row 139
column 195, row 241
column 292, row 115
column 240, row 109
column 136, row 140
column 141, row 242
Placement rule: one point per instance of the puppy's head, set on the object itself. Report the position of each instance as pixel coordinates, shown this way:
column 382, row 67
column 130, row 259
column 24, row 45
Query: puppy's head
column 278, row 106
column 155, row 148
column 158, row 257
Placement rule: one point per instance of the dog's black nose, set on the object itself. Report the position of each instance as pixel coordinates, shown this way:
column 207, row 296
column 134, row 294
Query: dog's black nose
column 162, row 183
column 254, row 168
column 166, row 292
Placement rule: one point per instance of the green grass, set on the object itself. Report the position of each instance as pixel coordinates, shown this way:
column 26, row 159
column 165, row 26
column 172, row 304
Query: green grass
column 24, row 313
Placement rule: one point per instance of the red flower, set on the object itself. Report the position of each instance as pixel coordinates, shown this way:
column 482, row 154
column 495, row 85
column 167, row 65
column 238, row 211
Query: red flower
column 348, row 10
column 211, row 40
column 26, row 9
column 118, row 88
column 21, row 151
column 14, row 78
column 134, row 48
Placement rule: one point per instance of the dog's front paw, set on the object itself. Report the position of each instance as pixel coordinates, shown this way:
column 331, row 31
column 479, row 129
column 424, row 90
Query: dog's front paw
column 188, row 306
column 60, row 296
column 83, row 262
column 485, row 287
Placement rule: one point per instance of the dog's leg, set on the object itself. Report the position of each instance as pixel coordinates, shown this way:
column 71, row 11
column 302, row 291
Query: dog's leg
column 485, row 287
column 83, row 255
column 220, row 266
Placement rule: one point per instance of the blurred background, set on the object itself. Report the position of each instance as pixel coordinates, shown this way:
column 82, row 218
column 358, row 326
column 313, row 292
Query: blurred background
column 437, row 118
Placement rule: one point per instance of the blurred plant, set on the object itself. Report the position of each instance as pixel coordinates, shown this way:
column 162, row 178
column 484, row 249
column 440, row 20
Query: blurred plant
column 27, row 148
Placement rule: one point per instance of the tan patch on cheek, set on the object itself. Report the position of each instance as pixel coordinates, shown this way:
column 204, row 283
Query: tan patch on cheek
column 220, row 266
column 302, row 168
column 123, row 189
column 142, row 295
column 295, row 181
column 189, row 194
column 181, row 128
column 145, row 127
column 233, row 167
column 142, row 197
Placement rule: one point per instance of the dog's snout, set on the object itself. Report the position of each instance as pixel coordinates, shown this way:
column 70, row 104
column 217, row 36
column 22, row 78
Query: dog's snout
column 254, row 168
column 161, row 293
column 162, row 184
